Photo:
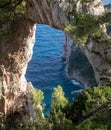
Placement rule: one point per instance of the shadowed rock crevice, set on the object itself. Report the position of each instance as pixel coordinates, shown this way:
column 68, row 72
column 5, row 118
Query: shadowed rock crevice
column 80, row 69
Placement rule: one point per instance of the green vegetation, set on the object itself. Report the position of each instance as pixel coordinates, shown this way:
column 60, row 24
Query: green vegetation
column 84, row 26
column 10, row 12
column 37, row 98
column 58, row 99
column 57, row 116
column 90, row 111
column 99, row 121
column 90, row 102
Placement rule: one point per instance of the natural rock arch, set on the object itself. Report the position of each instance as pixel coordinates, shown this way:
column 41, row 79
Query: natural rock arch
column 16, row 51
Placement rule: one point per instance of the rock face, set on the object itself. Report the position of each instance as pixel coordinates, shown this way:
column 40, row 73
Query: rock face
column 78, row 66
column 16, row 49
column 98, row 52
column 15, row 52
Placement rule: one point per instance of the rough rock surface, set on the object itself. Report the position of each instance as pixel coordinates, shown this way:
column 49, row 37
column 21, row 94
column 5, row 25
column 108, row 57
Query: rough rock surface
column 98, row 52
column 15, row 52
column 16, row 49
column 78, row 66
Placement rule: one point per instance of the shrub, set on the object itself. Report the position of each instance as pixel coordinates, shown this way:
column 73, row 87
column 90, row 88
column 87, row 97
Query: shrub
column 92, row 100
column 59, row 101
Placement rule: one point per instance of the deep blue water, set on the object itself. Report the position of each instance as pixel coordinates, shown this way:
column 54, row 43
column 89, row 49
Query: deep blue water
column 46, row 70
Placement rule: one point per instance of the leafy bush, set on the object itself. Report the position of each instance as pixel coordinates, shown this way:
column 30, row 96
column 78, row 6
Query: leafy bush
column 85, row 26
column 92, row 100
column 99, row 121
column 91, row 110
column 10, row 12
column 37, row 98
column 59, row 101
column 57, row 115
column 11, row 9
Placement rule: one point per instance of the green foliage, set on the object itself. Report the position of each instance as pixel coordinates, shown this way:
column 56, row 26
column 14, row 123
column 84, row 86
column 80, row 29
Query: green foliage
column 91, row 101
column 59, row 121
column 90, row 111
column 96, row 97
column 42, row 124
column 11, row 9
column 100, row 121
column 10, row 12
column 37, row 97
column 83, row 26
column 57, row 115
column 58, row 99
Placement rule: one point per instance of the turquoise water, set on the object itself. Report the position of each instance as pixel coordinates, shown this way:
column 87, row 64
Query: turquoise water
column 46, row 70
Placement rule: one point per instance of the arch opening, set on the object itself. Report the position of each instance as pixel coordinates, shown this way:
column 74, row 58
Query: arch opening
column 46, row 69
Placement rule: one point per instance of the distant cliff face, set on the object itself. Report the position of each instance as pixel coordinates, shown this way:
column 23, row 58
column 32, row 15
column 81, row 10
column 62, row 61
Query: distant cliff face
column 16, row 49
column 98, row 52
column 78, row 66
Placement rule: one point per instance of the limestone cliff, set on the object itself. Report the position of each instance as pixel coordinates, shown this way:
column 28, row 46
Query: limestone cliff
column 98, row 52
column 15, row 53
column 16, row 48
column 78, row 66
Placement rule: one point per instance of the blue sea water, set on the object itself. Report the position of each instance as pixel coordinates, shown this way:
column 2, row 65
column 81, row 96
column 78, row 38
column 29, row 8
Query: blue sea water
column 46, row 70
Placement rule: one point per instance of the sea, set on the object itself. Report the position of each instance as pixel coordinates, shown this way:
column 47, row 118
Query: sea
column 47, row 68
